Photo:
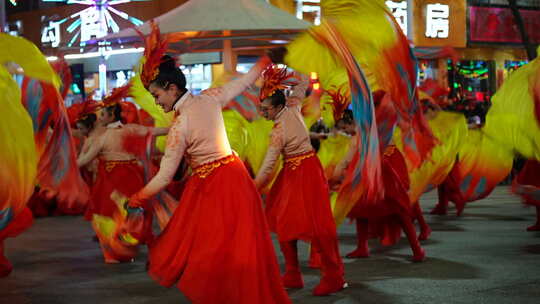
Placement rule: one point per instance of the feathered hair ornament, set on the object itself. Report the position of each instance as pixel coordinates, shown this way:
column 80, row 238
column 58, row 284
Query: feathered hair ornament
column 155, row 47
column 276, row 79
column 117, row 95
column 341, row 99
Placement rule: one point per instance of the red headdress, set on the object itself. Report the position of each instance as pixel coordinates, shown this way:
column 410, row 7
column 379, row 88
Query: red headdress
column 276, row 79
column 73, row 113
column 155, row 47
column 81, row 110
column 117, row 95
column 341, row 99
column 90, row 106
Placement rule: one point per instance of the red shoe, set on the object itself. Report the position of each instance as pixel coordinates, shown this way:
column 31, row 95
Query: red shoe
column 329, row 286
column 459, row 208
column 439, row 210
column 5, row 265
column 293, row 280
column 419, row 256
column 535, row 227
column 425, row 232
column 358, row 253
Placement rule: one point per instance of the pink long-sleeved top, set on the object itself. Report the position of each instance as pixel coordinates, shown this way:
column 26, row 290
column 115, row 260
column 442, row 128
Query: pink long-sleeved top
column 109, row 143
column 198, row 131
column 290, row 135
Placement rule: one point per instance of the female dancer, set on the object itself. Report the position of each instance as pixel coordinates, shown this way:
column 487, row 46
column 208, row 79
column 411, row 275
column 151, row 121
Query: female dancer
column 216, row 247
column 388, row 216
column 298, row 206
column 118, row 170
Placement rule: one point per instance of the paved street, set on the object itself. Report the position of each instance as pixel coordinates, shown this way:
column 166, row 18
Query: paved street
column 486, row 256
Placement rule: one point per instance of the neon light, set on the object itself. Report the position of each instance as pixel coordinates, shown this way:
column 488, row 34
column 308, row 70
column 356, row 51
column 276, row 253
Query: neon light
column 102, row 69
column 95, row 21
column 74, row 26
column 105, row 53
column 437, row 23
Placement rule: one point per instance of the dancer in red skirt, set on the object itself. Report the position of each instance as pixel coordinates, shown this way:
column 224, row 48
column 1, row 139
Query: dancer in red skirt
column 216, row 248
column 298, row 206
column 118, row 170
column 527, row 184
column 387, row 217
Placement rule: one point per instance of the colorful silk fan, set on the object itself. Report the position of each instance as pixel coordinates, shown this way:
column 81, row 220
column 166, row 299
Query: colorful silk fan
column 18, row 157
column 451, row 130
column 58, row 173
column 62, row 69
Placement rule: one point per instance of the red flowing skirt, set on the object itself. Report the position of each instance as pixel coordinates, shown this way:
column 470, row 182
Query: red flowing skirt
column 125, row 177
column 216, row 247
column 384, row 215
column 298, row 205
column 527, row 183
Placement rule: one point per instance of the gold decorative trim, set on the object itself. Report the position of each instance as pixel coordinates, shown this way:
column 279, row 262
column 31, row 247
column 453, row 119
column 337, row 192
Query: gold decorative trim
column 203, row 171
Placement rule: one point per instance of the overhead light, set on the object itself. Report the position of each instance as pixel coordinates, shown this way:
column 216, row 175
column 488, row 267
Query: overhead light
column 278, row 41
column 106, row 53
column 52, row 58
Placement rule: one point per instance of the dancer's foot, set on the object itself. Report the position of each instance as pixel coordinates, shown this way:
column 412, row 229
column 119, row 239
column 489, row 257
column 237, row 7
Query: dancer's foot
column 358, row 253
column 439, row 209
column 419, row 256
column 293, row 279
column 425, row 232
column 329, row 286
column 535, row 227
column 459, row 208
column 112, row 261
column 5, row 265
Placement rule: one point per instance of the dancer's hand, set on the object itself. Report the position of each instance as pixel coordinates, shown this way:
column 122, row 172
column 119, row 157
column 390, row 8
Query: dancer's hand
column 135, row 202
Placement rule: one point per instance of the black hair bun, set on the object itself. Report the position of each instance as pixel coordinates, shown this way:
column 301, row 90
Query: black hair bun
column 168, row 64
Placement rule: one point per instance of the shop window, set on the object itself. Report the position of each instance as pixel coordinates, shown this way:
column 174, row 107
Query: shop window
column 472, row 79
column 511, row 65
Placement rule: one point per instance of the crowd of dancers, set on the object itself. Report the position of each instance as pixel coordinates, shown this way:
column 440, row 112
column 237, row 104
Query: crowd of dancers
column 239, row 161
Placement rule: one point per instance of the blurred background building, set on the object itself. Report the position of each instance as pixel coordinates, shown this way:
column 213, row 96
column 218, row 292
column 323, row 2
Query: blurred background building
column 490, row 37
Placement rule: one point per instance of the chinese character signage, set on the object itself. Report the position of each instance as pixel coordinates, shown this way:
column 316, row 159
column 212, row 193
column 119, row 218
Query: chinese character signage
column 437, row 20
column 490, row 24
column 399, row 10
column 438, row 23
column 50, row 34
column 92, row 24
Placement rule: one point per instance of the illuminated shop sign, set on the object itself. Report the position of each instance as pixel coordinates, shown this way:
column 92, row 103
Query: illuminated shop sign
column 399, row 10
column 51, row 34
column 437, row 20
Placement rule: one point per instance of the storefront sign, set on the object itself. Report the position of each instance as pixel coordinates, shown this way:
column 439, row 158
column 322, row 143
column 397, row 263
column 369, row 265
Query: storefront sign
column 399, row 10
column 438, row 23
column 51, row 34
column 489, row 24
